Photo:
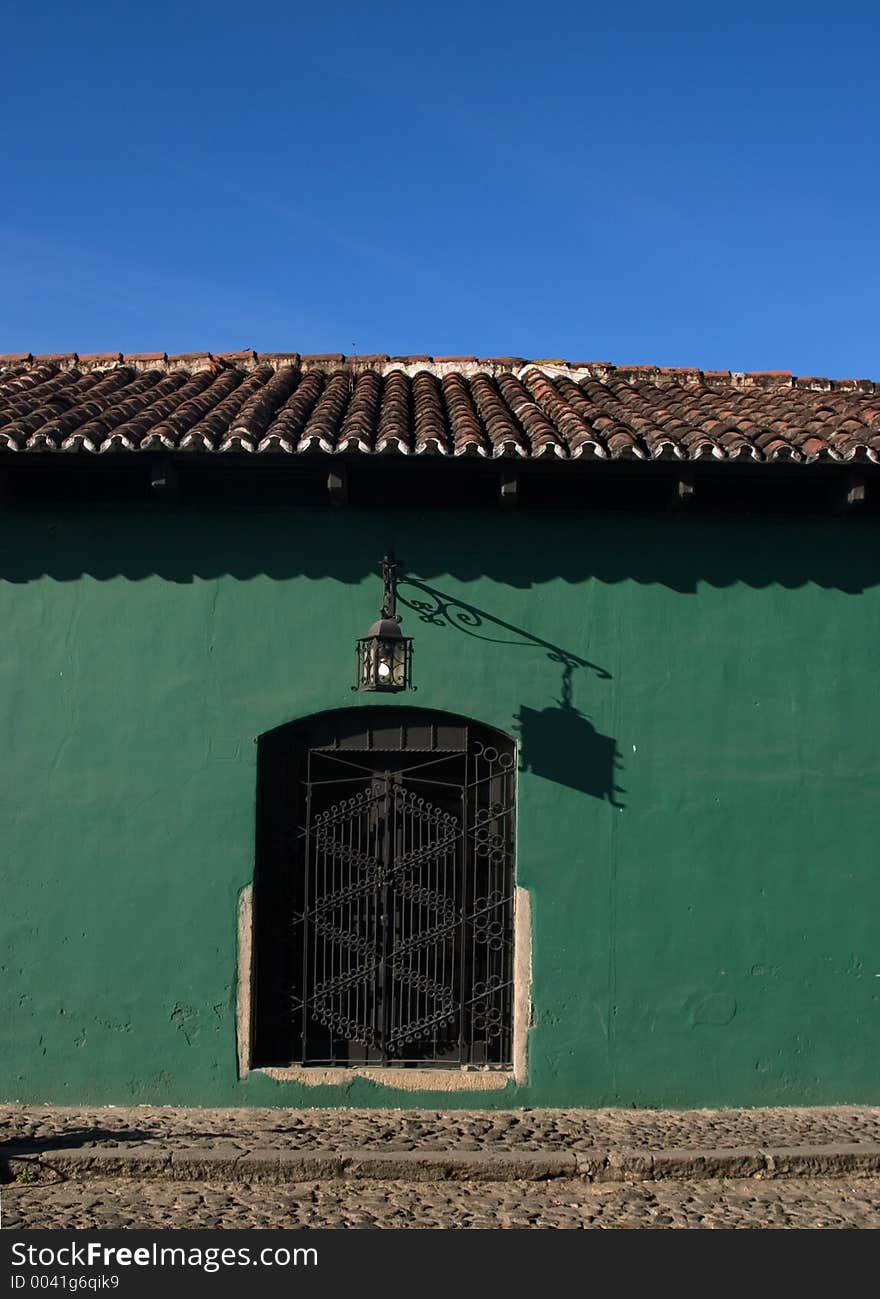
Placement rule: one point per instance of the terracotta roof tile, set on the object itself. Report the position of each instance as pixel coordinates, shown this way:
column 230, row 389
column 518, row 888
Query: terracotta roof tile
column 247, row 355
column 430, row 423
column 361, row 413
column 448, row 406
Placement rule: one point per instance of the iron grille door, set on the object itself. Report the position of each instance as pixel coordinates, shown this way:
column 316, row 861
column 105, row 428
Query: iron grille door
column 403, row 914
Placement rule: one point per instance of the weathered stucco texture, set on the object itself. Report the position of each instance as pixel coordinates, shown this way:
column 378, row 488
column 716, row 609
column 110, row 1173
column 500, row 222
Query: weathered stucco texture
column 698, row 797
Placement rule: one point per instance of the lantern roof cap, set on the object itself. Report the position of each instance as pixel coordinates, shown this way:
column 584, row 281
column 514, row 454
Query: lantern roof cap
column 386, row 628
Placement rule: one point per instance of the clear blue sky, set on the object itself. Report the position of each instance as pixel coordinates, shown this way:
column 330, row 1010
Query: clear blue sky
column 679, row 184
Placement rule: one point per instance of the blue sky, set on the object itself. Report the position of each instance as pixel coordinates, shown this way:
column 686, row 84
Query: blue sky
column 686, row 184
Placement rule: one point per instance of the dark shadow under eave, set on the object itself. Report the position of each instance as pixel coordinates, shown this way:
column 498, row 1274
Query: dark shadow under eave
column 521, row 549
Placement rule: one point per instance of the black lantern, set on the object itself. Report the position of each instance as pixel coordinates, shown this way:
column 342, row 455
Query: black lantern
column 384, row 656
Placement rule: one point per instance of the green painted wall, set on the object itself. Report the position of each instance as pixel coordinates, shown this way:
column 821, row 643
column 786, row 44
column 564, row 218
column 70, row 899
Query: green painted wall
column 705, row 935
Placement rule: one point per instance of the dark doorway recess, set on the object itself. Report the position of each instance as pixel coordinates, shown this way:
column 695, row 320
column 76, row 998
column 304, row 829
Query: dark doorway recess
column 384, row 891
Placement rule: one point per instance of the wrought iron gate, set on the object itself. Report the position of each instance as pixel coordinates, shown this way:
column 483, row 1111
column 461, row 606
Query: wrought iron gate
column 402, row 897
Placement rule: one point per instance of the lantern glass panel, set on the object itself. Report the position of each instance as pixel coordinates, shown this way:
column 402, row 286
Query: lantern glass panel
column 385, row 663
column 368, row 663
column 391, row 664
column 398, row 664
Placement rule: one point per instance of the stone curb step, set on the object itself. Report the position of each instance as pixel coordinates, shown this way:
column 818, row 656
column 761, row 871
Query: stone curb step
column 219, row 1163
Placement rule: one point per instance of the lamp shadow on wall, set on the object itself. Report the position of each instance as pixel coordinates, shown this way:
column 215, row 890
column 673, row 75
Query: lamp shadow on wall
column 562, row 745
column 558, row 743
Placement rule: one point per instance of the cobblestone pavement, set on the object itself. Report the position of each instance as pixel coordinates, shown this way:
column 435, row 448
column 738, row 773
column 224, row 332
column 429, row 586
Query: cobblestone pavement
column 45, row 1126
column 559, row 1204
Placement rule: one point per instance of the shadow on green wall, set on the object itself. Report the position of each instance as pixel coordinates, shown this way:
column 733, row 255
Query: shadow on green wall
column 443, row 610
column 559, row 744
column 562, row 745
column 520, row 548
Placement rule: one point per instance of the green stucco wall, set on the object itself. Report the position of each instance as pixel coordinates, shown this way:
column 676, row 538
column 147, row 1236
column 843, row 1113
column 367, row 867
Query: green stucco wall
column 704, row 934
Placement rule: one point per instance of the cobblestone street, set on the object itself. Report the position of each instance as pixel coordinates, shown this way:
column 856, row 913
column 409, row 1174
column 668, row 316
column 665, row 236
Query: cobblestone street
column 749, row 1203
column 400, row 1130
column 118, row 1167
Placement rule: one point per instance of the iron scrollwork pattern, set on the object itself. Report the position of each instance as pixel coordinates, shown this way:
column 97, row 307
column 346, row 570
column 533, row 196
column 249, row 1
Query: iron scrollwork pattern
column 405, row 929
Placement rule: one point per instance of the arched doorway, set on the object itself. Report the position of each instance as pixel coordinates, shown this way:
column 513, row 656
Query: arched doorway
column 383, row 893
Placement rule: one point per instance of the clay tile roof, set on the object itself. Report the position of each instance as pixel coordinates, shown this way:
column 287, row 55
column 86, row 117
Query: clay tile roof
column 456, row 406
